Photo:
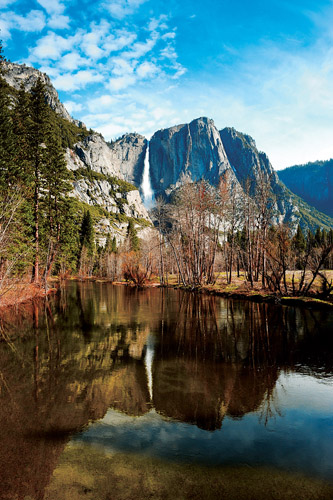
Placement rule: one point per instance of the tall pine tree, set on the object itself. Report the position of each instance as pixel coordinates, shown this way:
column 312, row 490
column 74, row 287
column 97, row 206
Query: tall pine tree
column 7, row 143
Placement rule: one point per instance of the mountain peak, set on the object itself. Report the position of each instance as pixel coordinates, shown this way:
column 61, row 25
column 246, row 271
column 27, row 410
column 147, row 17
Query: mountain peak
column 18, row 74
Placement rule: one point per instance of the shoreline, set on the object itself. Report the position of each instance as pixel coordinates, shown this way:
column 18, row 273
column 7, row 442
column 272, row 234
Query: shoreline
column 22, row 293
column 257, row 296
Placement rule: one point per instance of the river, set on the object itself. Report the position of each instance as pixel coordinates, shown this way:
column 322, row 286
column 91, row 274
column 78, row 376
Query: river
column 111, row 392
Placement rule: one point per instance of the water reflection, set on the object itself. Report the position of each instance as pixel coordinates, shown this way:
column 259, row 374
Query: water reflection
column 193, row 358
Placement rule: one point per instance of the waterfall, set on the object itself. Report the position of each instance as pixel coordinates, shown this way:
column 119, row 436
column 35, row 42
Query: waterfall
column 146, row 185
column 149, row 363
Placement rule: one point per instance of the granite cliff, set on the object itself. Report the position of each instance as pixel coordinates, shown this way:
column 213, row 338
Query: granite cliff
column 193, row 151
column 198, row 150
column 128, row 155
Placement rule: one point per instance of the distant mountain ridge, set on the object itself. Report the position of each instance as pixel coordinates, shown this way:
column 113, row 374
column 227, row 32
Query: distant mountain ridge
column 313, row 182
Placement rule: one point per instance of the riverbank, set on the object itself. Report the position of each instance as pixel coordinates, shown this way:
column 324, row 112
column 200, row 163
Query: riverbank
column 20, row 293
column 239, row 289
column 23, row 292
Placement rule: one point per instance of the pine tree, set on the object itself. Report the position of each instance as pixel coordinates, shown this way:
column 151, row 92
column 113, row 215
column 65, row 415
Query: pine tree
column 299, row 242
column 22, row 125
column 133, row 237
column 87, row 233
column 317, row 237
column 40, row 116
column 114, row 248
column 7, row 143
column 55, row 185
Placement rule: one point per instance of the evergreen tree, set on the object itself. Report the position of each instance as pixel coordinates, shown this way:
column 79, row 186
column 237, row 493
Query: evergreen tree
column 310, row 240
column 317, row 237
column 114, row 248
column 69, row 242
column 40, row 116
column 133, row 237
column 110, row 245
column 7, row 143
column 22, row 124
column 299, row 242
column 55, row 184
column 87, row 233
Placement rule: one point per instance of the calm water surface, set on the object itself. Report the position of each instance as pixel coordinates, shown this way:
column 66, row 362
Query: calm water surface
column 167, row 374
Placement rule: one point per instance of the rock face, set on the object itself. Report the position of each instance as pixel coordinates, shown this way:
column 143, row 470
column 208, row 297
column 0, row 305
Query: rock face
column 253, row 167
column 193, row 151
column 128, row 155
column 313, row 182
column 17, row 74
column 100, row 182
column 246, row 161
column 199, row 151
column 95, row 154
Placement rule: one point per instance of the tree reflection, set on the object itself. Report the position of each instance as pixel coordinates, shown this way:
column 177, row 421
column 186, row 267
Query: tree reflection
column 65, row 361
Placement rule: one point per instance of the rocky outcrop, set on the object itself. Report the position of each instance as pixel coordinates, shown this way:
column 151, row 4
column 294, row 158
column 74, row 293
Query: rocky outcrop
column 253, row 169
column 193, row 151
column 313, row 182
column 128, row 155
column 247, row 162
column 18, row 74
column 95, row 154
column 100, row 182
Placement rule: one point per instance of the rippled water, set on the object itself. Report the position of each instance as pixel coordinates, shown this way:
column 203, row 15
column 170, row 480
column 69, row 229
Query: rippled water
column 162, row 373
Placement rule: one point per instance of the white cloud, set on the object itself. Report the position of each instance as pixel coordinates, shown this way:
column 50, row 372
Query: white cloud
column 5, row 29
column 73, row 107
column 72, row 61
column 51, row 71
column 70, row 82
column 93, row 50
column 169, row 36
column 121, row 82
column 121, row 66
column 58, row 21
column 52, row 6
column 34, row 21
column 179, row 70
column 101, row 103
column 169, row 52
column 96, row 42
column 52, row 46
column 139, row 49
column 121, row 39
column 147, row 69
column 158, row 23
column 122, row 8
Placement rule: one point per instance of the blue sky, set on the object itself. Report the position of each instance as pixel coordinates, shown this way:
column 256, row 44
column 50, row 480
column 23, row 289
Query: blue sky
column 263, row 67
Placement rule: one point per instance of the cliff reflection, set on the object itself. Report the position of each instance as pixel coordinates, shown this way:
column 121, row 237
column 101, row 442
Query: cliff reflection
column 65, row 362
